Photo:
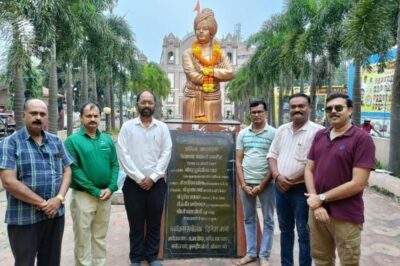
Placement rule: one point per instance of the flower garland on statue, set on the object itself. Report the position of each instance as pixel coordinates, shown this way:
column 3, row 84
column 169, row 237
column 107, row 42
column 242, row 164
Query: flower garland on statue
column 208, row 65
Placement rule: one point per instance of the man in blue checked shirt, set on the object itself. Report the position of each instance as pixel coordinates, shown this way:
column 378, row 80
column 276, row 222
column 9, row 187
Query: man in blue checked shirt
column 34, row 169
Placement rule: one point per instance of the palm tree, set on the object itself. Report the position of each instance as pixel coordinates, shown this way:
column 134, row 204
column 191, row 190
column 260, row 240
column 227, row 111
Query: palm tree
column 331, row 17
column 394, row 155
column 69, row 95
column 266, row 65
column 238, row 91
column 156, row 81
column 16, row 24
column 94, row 25
column 52, row 21
column 367, row 33
column 303, row 16
column 120, row 41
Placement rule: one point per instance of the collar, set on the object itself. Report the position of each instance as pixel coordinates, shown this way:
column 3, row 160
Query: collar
column 348, row 133
column 27, row 136
column 82, row 132
column 262, row 130
column 305, row 127
column 137, row 121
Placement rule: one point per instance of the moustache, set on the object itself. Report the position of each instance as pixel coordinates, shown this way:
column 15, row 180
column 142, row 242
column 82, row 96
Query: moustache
column 92, row 123
column 37, row 122
column 300, row 113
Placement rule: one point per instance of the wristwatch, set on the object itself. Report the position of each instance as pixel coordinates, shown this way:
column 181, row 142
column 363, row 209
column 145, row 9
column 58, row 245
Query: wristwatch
column 322, row 197
column 61, row 198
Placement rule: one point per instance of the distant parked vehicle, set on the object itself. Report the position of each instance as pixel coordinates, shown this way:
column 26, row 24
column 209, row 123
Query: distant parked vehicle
column 7, row 124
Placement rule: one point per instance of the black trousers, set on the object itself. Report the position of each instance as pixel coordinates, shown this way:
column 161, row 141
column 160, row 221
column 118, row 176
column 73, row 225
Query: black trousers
column 42, row 239
column 144, row 207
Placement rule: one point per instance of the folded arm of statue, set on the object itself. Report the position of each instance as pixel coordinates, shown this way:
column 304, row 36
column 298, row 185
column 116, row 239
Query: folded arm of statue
column 224, row 71
column 193, row 72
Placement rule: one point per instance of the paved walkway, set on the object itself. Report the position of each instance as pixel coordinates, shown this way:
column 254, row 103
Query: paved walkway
column 380, row 238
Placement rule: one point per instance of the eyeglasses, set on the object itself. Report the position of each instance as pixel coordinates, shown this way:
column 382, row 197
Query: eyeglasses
column 257, row 112
column 338, row 108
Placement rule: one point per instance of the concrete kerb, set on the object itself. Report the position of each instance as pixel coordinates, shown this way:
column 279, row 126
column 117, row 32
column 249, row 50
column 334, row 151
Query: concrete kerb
column 385, row 184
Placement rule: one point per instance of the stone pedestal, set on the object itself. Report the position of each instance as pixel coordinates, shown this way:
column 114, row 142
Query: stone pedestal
column 203, row 216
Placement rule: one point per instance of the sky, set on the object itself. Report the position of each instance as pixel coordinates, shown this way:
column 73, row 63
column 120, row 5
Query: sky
column 152, row 20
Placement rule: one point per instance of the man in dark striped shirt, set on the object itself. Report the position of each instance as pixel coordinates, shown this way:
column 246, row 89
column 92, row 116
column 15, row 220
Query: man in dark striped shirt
column 34, row 169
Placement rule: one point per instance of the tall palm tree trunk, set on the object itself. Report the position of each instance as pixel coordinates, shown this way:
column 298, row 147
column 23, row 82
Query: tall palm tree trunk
column 94, row 84
column 394, row 154
column 265, row 90
column 356, row 117
column 70, row 107
column 18, row 82
column 329, row 78
column 19, row 90
column 84, row 89
column 290, row 83
column 281, row 89
column 107, row 97
column 313, row 88
column 53, row 91
column 112, row 105
column 272, row 120
column 302, row 80
column 121, row 117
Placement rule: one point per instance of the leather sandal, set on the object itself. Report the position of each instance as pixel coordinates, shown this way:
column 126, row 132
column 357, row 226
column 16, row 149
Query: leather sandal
column 246, row 259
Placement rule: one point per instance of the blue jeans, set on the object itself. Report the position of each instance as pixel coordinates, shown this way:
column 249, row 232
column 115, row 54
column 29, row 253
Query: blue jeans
column 292, row 208
column 267, row 200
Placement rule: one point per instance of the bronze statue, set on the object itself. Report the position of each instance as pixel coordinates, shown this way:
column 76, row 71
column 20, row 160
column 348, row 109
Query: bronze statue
column 205, row 66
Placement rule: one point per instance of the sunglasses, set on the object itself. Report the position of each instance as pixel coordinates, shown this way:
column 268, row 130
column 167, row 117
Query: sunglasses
column 338, row 108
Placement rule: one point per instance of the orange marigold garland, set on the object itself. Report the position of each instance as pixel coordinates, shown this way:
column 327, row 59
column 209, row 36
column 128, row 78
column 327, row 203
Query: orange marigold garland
column 208, row 65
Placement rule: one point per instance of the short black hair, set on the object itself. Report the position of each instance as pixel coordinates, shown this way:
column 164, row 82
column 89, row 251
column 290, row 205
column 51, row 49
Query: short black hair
column 140, row 94
column 332, row 96
column 92, row 106
column 301, row 95
column 256, row 103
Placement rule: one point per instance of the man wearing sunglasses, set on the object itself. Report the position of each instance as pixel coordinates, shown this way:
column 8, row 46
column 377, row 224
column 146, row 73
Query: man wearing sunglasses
column 340, row 160
column 287, row 159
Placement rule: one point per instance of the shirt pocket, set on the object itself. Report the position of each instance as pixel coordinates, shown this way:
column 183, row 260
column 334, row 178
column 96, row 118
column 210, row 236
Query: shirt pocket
column 56, row 162
column 105, row 151
column 25, row 163
column 301, row 152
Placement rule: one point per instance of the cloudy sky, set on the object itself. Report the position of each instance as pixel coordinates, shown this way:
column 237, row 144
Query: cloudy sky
column 151, row 20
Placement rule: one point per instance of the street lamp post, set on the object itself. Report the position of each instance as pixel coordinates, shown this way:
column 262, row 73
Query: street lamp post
column 107, row 111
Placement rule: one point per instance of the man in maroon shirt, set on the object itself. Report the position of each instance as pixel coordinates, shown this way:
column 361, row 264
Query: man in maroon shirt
column 340, row 160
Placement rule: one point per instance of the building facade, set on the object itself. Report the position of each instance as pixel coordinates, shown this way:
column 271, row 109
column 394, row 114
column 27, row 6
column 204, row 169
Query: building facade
column 171, row 63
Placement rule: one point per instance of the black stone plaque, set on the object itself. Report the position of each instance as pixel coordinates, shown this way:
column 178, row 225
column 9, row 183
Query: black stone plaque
column 200, row 206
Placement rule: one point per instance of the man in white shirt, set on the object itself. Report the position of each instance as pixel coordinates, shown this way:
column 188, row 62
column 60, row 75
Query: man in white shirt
column 144, row 151
column 287, row 159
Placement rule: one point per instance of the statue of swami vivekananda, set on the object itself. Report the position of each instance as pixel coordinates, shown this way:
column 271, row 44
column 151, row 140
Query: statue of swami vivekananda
column 205, row 66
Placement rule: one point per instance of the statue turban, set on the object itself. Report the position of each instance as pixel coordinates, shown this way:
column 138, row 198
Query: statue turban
column 208, row 16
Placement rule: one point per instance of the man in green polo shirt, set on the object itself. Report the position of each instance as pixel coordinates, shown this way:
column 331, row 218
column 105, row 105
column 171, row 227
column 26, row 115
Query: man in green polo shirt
column 94, row 179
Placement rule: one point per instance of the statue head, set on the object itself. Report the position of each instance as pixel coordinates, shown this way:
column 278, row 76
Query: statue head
column 205, row 19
